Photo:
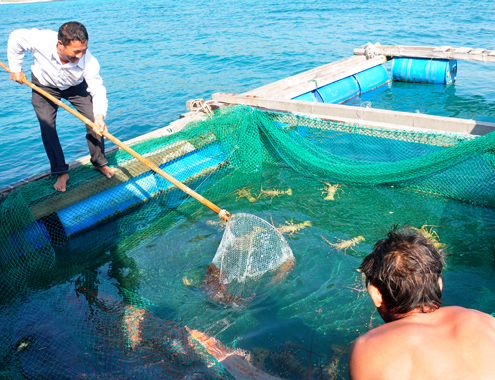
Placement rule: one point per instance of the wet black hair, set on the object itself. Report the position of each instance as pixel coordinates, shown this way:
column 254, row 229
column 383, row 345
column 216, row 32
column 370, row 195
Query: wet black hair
column 406, row 268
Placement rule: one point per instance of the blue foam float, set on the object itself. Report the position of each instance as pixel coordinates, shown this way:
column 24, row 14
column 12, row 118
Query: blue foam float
column 91, row 210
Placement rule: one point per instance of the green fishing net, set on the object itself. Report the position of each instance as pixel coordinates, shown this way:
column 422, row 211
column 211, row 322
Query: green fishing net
column 61, row 320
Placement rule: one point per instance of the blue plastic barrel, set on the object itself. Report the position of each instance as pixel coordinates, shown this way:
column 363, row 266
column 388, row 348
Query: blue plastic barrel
column 310, row 96
column 339, row 91
column 26, row 239
column 372, row 78
column 423, row 70
column 346, row 88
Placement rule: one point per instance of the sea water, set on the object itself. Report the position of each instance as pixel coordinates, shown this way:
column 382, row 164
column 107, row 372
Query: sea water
column 157, row 54
column 321, row 307
column 155, row 258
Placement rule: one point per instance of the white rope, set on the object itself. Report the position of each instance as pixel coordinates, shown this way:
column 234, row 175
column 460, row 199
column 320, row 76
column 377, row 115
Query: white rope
column 200, row 105
column 370, row 50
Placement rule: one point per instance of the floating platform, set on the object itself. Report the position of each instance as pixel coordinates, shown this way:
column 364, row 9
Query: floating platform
column 314, row 93
column 430, row 52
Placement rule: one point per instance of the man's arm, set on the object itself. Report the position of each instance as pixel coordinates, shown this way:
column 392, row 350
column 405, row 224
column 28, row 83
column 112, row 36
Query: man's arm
column 20, row 41
column 97, row 90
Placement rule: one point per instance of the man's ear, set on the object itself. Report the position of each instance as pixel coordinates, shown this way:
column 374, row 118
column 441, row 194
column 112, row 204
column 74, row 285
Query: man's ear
column 375, row 295
column 440, row 283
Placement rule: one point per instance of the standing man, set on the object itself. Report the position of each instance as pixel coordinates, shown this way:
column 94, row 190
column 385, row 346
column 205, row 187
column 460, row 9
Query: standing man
column 420, row 339
column 63, row 67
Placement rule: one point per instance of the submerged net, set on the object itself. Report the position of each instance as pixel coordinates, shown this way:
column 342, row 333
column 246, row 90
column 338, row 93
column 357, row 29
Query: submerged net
column 53, row 243
column 250, row 249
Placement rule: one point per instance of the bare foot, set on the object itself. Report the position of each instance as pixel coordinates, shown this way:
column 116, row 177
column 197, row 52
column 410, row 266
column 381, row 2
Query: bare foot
column 61, row 183
column 105, row 170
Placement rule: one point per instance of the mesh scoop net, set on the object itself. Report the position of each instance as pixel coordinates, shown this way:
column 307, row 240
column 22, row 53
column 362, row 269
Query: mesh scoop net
column 250, row 248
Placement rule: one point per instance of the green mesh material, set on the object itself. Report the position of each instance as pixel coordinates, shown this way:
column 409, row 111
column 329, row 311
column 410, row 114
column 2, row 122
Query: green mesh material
column 82, row 327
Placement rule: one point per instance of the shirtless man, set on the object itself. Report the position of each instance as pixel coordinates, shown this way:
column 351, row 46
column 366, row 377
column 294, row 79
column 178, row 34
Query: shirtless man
column 420, row 339
column 63, row 67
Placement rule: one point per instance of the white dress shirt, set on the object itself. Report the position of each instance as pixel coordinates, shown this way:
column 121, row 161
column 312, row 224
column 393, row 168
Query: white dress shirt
column 48, row 68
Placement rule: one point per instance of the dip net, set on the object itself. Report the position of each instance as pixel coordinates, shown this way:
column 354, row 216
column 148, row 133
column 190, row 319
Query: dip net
column 61, row 318
column 250, row 249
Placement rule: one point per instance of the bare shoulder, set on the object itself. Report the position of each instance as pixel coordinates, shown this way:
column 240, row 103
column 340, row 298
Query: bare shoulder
column 425, row 340
column 358, row 359
column 451, row 340
column 470, row 323
column 370, row 353
column 460, row 315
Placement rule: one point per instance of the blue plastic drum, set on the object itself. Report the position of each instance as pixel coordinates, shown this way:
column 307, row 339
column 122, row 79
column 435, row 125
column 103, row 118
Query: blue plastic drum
column 339, row 91
column 346, row 88
column 372, row 78
column 422, row 70
column 310, row 96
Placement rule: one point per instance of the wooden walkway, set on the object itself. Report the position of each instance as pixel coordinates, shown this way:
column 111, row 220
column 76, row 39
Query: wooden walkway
column 306, row 81
column 430, row 52
column 362, row 116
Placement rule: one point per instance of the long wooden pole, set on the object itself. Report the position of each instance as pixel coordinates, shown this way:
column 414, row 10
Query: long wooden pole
column 225, row 215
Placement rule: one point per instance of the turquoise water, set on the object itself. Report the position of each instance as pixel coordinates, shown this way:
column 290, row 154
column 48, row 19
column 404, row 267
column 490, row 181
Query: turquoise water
column 156, row 55
column 307, row 320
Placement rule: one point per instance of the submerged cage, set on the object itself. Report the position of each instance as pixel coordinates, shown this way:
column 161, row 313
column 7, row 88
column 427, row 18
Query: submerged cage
column 244, row 139
column 215, row 156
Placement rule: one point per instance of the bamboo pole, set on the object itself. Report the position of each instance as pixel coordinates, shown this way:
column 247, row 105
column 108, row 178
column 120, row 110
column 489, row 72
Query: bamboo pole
column 223, row 214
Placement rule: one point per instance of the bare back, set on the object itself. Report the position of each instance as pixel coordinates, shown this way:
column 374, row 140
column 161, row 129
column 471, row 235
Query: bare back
column 450, row 343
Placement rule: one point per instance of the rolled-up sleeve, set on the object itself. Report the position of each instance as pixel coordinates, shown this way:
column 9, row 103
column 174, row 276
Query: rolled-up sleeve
column 95, row 86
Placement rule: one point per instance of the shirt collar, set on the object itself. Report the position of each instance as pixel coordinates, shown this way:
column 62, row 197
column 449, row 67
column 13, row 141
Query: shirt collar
column 82, row 62
column 54, row 54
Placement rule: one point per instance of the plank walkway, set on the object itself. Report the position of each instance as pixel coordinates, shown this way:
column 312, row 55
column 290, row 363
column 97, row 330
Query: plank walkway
column 306, row 81
column 362, row 116
column 430, row 52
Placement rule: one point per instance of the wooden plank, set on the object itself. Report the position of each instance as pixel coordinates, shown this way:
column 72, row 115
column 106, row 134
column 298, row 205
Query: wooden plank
column 443, row 52
column 304, row 77
column 396, row 50
column 123, row 173
column 478, row 51
column 321, row 76
column 398, row 47
column 362, row 115
column 442, row 49
column 462, row 50
column 472, row 57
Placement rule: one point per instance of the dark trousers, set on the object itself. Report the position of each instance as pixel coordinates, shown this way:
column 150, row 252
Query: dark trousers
column 46, row 111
